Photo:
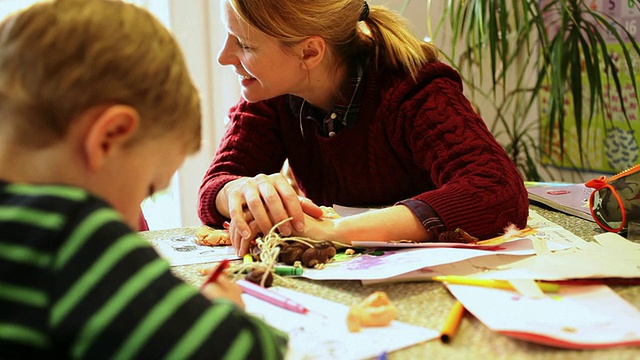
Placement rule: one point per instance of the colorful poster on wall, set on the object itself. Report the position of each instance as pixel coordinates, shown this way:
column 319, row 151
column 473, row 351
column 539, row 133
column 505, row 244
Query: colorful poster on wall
column 610, row 144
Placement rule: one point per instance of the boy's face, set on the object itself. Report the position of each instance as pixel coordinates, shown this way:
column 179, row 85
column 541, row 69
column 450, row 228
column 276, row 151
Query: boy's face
column 140, row 171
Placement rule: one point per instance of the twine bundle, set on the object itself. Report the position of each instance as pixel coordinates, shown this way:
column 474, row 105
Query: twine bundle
column 269, row 250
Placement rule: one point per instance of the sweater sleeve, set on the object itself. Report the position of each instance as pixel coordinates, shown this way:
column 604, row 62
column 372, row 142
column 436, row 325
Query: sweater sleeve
column 251, row 145
column 113, row 297
column 477, row 186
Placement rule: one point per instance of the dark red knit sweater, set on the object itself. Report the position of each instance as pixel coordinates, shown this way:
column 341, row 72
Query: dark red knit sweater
column 420, row 141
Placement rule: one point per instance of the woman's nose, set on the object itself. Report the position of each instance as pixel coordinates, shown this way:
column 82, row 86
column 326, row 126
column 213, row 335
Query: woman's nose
column 225, row 56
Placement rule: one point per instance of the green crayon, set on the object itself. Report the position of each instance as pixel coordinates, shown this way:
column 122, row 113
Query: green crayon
column 288, row 270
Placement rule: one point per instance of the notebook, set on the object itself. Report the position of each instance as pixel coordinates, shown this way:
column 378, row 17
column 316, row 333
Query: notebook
column 572, row 199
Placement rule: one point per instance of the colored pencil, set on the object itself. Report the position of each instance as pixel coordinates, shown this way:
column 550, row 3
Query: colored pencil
column 271, row 297
column 216, row 273
column 497, row 284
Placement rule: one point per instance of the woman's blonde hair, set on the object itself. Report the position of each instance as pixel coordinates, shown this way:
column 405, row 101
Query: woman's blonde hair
column 61, row 58
column 386, row 33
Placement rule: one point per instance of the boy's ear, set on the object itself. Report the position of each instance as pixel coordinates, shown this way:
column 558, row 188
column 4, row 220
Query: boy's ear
column 313, row 50
column 108, row 131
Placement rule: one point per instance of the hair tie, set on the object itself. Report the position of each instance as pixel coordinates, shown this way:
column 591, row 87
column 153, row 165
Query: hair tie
column 365, row 12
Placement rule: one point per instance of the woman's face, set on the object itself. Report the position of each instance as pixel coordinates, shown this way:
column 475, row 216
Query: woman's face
column 265, row 70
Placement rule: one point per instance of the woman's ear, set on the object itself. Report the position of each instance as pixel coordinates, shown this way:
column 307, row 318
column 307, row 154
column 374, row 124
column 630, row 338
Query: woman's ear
column 108, row 131
column 313, row 51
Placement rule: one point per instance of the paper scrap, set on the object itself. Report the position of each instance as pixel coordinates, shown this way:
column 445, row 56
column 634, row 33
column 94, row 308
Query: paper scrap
column 614, row 242
column 579, row 316
column 527, row 287
column 322, row 333
column 183, row 250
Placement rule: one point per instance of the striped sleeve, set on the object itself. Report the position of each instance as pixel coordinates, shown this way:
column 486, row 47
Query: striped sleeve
column 108, row 294
column 31, row 219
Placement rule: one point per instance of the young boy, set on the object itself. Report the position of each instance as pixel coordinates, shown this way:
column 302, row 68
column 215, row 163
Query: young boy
column 97, row 111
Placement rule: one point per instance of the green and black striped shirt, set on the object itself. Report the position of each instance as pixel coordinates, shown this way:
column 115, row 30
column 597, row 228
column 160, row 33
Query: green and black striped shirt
column 77, row 282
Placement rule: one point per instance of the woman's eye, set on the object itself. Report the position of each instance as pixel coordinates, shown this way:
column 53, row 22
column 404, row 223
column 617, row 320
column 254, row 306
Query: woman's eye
column 242, row 45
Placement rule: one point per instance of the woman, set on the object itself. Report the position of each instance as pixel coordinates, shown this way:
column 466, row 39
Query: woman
column 367, row 117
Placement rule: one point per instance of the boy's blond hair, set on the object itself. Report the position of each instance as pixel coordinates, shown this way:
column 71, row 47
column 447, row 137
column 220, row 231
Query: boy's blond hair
column 61, row 58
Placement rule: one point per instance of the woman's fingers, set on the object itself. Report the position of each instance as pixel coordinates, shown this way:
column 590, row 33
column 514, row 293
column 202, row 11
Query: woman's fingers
column 266, row 201
column 237, row 195
column 245, row 243
column 242, row 244
column 279, row 203
column 310, row 208
column 257, row 204
column 287, row 207
column 235, row 237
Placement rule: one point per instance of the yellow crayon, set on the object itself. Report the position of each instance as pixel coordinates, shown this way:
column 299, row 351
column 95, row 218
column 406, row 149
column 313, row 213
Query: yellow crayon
column 451, row 324
column 497, row 284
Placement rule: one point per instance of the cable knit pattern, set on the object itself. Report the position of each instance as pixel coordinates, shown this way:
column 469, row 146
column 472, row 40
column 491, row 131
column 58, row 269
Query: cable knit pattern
column 420, row 141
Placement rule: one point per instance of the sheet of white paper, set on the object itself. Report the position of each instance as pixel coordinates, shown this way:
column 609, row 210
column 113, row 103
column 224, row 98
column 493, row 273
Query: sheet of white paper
column 522, row 243
column 563, row 265
column 183, row 250
column 401, row 261
column 571, row 265
column 615, row 258
column 322, row 333
column 466, row 267
column 612, row 256
column 579, row 316
column 615, row 243
column 553, row 232
column 527, row 287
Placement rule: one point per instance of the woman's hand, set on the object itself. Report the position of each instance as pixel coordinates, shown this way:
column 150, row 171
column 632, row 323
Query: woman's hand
column 224, row 288
column 320, row 228
column 254, row 205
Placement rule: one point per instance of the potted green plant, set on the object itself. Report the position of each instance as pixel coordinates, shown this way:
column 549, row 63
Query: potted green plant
column 559, row 75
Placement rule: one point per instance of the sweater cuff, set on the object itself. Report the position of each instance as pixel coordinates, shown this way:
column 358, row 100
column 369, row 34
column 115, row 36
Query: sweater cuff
column 207, row 211
column 427, row 216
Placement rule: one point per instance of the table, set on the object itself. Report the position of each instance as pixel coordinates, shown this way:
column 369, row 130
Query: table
column 427, row 304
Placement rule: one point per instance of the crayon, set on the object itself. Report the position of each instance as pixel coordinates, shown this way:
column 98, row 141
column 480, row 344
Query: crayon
column 216, row 273
column 452, row 322
column 271, row 297
column 288, row 270
column 497, row 284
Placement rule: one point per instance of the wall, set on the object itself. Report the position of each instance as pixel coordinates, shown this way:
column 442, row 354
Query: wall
column 197, row 27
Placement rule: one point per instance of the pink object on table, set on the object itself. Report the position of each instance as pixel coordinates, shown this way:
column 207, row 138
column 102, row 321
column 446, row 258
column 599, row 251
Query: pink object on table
column 144, row 226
